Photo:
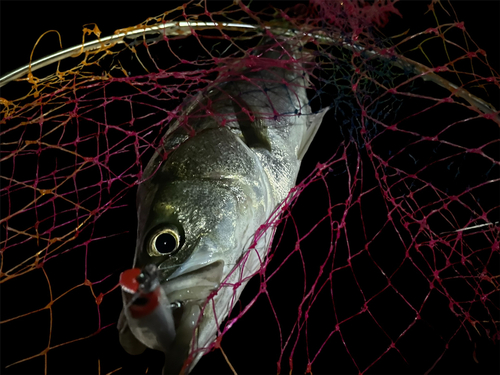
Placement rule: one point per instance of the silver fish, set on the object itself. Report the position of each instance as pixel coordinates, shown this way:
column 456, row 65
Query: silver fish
column 203, row 200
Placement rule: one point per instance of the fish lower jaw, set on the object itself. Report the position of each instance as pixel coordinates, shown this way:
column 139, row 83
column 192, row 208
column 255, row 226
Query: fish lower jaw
column 188, row 295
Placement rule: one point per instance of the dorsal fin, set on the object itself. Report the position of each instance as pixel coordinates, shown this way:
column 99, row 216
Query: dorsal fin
column 314, row 121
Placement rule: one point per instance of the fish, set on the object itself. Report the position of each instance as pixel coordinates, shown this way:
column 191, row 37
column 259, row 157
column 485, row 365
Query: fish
column 227, row 162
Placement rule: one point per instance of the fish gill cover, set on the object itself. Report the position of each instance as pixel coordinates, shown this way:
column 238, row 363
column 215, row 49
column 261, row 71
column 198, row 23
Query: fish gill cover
column 386, row 257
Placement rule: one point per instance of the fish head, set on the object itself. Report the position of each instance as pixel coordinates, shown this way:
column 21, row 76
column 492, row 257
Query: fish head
column 188, row 226
column 188, row 231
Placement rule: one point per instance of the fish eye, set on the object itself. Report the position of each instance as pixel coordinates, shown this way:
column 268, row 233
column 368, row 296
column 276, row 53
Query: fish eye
column 165, row 240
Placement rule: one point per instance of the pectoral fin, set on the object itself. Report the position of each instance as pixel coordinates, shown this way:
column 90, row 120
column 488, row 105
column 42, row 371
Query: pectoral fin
column 252, row 127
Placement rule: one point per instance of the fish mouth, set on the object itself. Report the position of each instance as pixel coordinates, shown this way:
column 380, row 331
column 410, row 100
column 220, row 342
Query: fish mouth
column 189, row 294
column 167, row 316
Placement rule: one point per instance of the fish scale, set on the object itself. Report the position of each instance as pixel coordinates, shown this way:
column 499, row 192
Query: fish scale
column 215, row 189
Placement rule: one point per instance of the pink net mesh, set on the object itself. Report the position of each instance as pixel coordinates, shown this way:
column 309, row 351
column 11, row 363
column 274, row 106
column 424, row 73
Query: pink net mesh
column 386, row 257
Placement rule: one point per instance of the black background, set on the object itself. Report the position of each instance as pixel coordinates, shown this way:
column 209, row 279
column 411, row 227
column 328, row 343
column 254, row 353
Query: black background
column 252, row 345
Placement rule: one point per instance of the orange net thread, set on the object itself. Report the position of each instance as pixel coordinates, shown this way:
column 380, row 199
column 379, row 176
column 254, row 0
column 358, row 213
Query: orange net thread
column 386, row 254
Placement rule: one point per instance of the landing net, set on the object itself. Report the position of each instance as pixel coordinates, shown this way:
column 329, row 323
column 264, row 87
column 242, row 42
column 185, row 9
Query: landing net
column 386, row 255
